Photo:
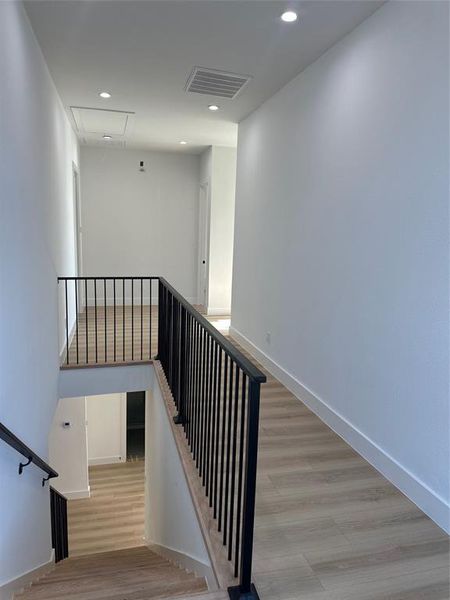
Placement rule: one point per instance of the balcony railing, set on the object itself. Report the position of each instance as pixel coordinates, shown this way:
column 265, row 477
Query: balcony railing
column 108, row 319
column 216, row 389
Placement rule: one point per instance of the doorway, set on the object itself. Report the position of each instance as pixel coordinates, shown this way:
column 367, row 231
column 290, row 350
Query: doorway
column 203, row 244
column 135, row 425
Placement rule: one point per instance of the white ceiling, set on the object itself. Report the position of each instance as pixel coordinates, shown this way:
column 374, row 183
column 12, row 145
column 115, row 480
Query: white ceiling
column 144, row 51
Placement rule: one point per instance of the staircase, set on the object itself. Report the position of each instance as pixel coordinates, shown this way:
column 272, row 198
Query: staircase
column 132, row 574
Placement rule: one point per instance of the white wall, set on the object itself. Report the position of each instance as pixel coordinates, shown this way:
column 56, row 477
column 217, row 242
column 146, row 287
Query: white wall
column 68, row 448
column 37, row 147
column 86, row 382
column 223, row 184
column 170, row 518
column 218, row 171
column 106, row 426
column 341, row 242
column 140, row 223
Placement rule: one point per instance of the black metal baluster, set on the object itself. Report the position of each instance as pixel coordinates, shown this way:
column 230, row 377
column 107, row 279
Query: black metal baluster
column 86, row 319
column 233, row 464
column 240, row 473
column 200, row 393
column 132, row 318
column 213, row 424
column 76, row 317
column 204, row 402
column 201, row 399
column 181, row 376
column 95, row 306
column 142, row 321
column 150, row 281
column 192, row 383
column 208, row 416
column 222, row 448
column 227, row 471
column 189, row 373
column 67, row 321
column 114, row 296
column 192, row 393
column 150, row 318
column 123, row 319
column 217, row 438
column 169, row 338
column 195, row 392
column 106, row 318
column 210, row 477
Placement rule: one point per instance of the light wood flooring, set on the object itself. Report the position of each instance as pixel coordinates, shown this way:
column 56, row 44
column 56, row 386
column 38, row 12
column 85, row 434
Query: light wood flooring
column 113, row 517
column 124, row 336
column 328, row 525
column 133, row 574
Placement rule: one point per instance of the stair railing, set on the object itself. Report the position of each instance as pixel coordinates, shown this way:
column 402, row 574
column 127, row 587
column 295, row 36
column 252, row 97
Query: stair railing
column 216, row 390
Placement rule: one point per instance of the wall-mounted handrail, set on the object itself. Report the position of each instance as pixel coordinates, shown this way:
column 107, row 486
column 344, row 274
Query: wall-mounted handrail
column 12, row 440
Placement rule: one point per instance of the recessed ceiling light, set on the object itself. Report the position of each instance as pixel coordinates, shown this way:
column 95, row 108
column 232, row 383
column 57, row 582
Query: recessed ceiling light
column 107, row 137
column 105, row 95
column 213, row 107
column 289, row 16
column 183, row 143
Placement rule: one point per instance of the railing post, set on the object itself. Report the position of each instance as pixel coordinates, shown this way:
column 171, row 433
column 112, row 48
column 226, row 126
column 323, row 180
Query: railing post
column 246, row 590
column 180, row 418
column 159, row 352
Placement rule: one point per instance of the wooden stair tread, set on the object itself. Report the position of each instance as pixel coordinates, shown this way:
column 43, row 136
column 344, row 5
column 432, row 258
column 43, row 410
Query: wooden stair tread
column 131, row 574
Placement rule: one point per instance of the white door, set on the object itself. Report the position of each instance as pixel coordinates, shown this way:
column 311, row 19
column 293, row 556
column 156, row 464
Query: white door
column 203, row 245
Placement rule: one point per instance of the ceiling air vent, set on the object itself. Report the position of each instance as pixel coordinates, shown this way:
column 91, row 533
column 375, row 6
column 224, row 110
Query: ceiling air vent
column 216, row 83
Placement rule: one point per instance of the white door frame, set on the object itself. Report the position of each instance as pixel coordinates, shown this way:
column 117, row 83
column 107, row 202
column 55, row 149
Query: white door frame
column 123, row 427
column 77, row 219
column 204, row 212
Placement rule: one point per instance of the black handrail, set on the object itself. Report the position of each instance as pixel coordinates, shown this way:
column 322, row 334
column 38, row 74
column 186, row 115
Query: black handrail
column 242, row 361
column 12, row 440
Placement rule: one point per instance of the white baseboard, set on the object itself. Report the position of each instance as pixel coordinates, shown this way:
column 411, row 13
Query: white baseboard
column 15, row 586
column 106, row 460
column 78, row 494
column 416, row 490
column 186, row 562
